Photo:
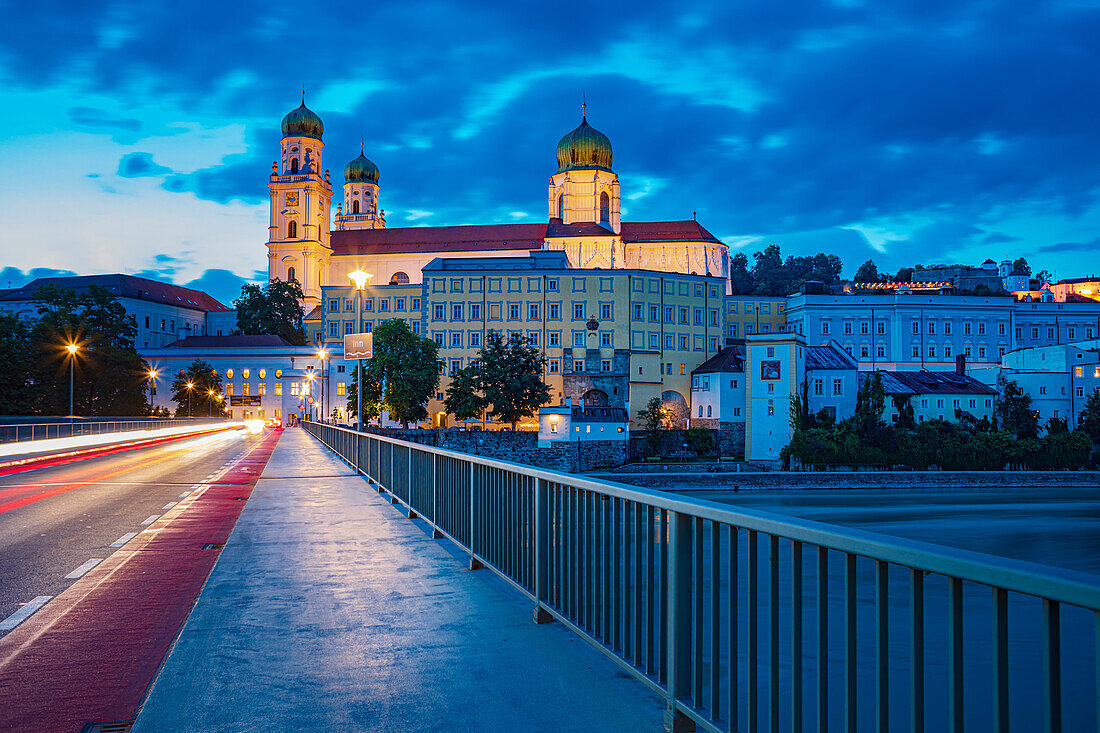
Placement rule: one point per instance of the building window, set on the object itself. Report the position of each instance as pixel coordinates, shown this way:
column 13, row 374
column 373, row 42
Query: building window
column 605, row 311
column 578, row 311
column 916, row 326
column 533, row 311
column 683, row 369
column 818, row 387
column 605, row 365
column 555, row 338
column 578, row 365
column 295, row 389
column 916, row 351
column 438, row 312
column 771, row 410
column 880, row 351
column 864, row 352
column 947, row 351
column 578, row 339
column 456, row 311
column 605, row 208
column 244, row 387
column 341, row 389
column 555, row 311
column 981, row 352
column 981, row 329
column 456, row 339
column 475, row 338
column 554, row 366
column 824, row 327
column 513, row 311
column 637, row 311
column 881, row 328
column 261, row 388
column 837, row 386
column 605, row 338
column 290, row 275
column 292, row 230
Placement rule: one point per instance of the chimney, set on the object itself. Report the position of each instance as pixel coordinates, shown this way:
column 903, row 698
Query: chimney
column 960, row 364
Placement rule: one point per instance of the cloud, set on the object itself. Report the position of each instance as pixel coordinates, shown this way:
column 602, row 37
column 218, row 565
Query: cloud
column 12, row 277
column 998, row 238
column 98, row 118
column 1092, row 247
column 223, row 285
column 140, row 165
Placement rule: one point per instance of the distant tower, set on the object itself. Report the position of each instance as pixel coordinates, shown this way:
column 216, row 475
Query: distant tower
column 585, row 189
column 361, row 206
column 301, row 196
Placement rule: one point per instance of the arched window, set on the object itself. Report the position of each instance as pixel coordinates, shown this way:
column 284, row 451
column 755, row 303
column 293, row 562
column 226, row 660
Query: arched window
column 561, row 206
column 290, row 275
column 292, row 230
column 399, row 278
column 605, row 208
column 355, row 207
column 293, row 166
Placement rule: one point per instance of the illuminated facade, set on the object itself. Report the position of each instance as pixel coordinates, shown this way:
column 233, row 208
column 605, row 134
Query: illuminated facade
column 308, row 244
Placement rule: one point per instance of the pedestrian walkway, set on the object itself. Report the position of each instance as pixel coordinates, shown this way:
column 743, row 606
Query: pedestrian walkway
column 329, row 610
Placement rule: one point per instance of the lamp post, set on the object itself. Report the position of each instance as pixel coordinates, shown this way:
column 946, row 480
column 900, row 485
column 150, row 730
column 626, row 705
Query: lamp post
column 321, row 354
column 310, row 376
column 360, row 279
column 190, row 387
column 210, row 411
column 72, row 348
column 152, row 387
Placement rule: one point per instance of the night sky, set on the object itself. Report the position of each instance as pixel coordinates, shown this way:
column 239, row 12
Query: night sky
column 139, row 136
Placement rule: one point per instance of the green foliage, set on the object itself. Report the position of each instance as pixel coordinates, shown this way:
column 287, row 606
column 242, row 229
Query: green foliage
column 1088, row 421
column 868, row 273
column 372, row 394
column 274, row 309
column 406, row 365
column 770, row 274
column 1044, row 277
column 700, row 441
column 656, row 418
column 462, row 399
column 19, row 393
column 1015, row 411
column 204, row 381
column 109, row 375
column 1021, row 264
column 1056, row 425
column 870, row 405
column 508, row 376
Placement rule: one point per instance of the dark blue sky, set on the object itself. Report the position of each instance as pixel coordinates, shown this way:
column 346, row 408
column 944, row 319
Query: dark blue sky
column 908, row 132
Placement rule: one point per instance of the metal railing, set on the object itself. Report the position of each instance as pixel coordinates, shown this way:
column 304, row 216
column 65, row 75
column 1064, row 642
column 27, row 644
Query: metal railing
column 19, row 432
column 731, row 614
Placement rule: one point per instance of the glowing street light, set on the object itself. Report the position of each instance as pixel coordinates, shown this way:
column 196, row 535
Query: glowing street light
column 360, row 279
column 72, row 348
column 322, row 354
column 152, row 385
column 210, row 411
column 191, row 386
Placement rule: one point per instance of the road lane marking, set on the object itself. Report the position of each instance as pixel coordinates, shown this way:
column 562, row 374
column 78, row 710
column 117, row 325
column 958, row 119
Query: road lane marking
column 81, row 571
column 185, row 494
column 124, row 539
column 24, row 613
column 169, row 505
column 152, row 518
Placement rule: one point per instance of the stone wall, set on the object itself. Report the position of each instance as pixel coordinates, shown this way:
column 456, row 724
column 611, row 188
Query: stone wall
column 730, row 435
column 522, row 447
column 678, row 478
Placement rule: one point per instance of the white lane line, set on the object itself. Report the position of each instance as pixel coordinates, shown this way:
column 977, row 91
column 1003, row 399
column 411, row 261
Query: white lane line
column 150, row 520
column 24, row 613
column 124, row 539
column 185, row 494
column 169, row 505
column 81, row 571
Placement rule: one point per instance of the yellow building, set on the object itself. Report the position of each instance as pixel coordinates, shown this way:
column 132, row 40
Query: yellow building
column 754, row 314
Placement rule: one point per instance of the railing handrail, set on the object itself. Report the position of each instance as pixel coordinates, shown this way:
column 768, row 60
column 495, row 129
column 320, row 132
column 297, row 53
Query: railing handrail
column 1072, row 587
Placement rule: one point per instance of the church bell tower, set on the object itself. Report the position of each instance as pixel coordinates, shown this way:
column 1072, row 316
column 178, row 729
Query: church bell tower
column 301, row 195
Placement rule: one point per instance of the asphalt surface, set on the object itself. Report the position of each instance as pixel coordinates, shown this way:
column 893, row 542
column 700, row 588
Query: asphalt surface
column 54, row 520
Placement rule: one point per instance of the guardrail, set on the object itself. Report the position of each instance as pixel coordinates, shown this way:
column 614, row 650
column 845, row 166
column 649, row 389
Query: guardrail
column 19, row 432
column 675, row 591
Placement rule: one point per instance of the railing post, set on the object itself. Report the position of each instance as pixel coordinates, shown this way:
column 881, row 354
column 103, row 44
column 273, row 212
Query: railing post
column 475, row 564
column 436, row 519
column 542, row 550
column 678, row 631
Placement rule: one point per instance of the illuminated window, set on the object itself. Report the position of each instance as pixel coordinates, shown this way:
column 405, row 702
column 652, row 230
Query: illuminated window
column 244, row 373
column 340, row 388
column 244, row 387
column 229, row 388
column 295, row 389
column 683, row 369
column 771, row 410
column 229, row 374
column 263, row 374
column 261, row 388
column 279, row 388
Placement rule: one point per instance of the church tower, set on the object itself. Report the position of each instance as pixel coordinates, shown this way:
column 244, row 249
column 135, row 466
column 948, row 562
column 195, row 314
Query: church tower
column 585, row 189
column 298, row 233
column 361, row 206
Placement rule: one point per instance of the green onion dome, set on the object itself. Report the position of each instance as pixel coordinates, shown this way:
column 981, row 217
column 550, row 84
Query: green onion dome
column 302, row 122
column 361, row 170
column 584, row 148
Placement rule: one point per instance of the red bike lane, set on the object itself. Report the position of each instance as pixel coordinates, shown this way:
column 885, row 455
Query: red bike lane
column 91, row 653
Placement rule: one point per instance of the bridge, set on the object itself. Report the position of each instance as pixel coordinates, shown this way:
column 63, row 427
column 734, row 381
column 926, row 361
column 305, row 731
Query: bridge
column 322, row 578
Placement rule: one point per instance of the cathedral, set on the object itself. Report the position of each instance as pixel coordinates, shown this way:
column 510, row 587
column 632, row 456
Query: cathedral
column 307, row 243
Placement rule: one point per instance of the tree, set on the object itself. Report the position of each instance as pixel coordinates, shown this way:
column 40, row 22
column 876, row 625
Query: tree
column 1088, row 421
column 1021, row 264
column 1055, row 425
column 204, row 380
column 1015, row 411
column 700, row 440
column 801, row 418
column 407, row 366
column 905, row 274
column 462, row 398
column 509, row 376
column 372, row 395
column 109, row 375
column 655, row 417
column 867, row 273
column 1044, row 277
column 274, row 309
column 19, row 394
column 870, row 404
column 741, row 282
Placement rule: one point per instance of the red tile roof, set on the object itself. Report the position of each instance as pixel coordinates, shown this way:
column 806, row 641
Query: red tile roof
column 497, row 237
column 125, row 286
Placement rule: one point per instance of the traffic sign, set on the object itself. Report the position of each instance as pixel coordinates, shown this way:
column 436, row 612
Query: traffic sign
column 309, row 399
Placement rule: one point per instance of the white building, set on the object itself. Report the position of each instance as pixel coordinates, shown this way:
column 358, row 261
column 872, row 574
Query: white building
column 1058, row 378
column 773, row 368
column 263, row 376
column 568, row 422
column 832, row 380
column 164, row 313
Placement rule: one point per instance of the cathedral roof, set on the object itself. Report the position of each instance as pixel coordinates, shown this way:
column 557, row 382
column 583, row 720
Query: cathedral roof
column 302, row 122
column 495, row 237
column 361, row 170
column 584, row 148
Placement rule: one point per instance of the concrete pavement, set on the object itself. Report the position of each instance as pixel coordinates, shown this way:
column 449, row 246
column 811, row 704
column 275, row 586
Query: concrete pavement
column 329, row 610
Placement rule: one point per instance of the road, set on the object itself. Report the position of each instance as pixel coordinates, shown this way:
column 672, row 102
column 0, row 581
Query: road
column 54, row 520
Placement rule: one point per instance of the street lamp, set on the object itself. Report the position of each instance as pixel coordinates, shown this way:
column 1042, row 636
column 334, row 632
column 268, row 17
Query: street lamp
column 309, row 390
column 210, row 411
column 321, row 354
column 191, row 386
column 152, row 386
column 360, row 279
column 72, row 348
